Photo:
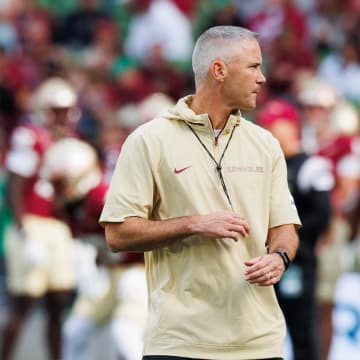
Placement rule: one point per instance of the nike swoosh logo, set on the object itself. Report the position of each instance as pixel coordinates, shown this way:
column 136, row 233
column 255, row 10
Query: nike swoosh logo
column 178, row 171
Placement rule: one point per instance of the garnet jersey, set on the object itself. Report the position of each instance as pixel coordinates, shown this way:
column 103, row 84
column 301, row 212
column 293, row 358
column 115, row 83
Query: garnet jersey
column 340, row 146
column 28, row 144
column 84, row 215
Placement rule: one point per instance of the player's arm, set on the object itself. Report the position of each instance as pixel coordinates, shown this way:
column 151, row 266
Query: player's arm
column 138, row 234
column 16, row 194
column 21, row 162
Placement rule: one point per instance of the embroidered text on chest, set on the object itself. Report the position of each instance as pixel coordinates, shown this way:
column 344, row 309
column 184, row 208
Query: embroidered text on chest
column 244, row 168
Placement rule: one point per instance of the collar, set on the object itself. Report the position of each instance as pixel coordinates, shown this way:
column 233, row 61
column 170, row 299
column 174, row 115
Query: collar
column 202, row 121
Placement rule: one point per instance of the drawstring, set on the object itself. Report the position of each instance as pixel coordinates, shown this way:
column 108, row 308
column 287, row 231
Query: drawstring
column 218, row 164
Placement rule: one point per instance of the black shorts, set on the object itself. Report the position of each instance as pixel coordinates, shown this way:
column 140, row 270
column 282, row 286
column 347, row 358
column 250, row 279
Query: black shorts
column 164, row 357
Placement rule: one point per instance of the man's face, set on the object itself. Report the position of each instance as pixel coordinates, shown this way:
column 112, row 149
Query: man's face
column 244, row 77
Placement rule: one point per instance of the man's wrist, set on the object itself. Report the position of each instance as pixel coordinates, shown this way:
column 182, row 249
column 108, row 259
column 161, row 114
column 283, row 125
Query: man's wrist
column 284, row 256
column 192, row 225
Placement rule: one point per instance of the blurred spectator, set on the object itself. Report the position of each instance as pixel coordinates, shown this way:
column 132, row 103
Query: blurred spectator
column 8, row 34
column 276, row 17
column 284, row 33
column 133, row 84
column 224, row 13
column 317, row 99
column 78, row 27
column 97, row 96
column 59, row 8
column 105, row 48
column 249, row 9
column 158, row 23
column 135, row 80
column 164, row 77
column 186, row 6
column 38, row 244
column 323, row 26
column 287, row 58
column 342, row 69
column 33, row 26
column 310, row 181
column 348, row 15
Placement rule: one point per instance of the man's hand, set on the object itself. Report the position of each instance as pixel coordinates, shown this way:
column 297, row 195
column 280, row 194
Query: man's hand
column 264, row 270
column 224, row 224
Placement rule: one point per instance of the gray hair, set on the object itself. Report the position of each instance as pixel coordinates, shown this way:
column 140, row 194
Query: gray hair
column 214, row 44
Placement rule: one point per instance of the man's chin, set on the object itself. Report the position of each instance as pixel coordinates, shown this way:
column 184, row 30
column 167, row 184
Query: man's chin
column 248, row 106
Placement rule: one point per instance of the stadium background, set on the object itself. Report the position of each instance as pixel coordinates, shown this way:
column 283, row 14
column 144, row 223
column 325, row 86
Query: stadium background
column 128, row 58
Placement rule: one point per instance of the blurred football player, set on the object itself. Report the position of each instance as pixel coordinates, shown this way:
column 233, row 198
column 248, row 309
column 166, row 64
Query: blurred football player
column 330, row 129
column 111, row 287
column 38, row 246
column 311, row 182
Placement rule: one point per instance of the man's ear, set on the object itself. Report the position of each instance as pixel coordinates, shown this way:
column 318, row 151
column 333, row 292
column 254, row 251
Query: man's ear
column 218, row 70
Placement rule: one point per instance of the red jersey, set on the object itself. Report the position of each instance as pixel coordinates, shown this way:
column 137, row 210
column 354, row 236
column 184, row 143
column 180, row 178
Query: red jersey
column 340, row 146
column 85, row 219
column 28, row 144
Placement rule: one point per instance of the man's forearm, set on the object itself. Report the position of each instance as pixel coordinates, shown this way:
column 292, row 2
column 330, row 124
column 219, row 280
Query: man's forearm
column 138, row 234
column 283, row 237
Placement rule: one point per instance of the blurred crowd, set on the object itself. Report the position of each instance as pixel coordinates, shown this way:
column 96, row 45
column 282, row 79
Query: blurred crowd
column 77, row 76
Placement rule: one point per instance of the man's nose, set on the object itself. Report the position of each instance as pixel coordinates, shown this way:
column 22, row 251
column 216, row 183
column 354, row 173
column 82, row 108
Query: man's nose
column 261, row 78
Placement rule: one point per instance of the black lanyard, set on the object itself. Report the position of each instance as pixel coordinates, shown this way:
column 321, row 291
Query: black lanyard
column 218, row 164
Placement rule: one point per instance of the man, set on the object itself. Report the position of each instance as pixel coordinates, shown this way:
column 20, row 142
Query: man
column 204, row 193
column 38, row 247
column 311, row 182
column 111, row 287
column 329, row 127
